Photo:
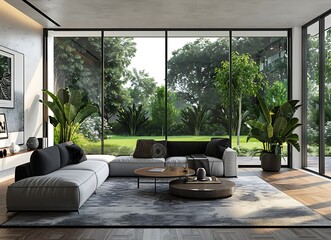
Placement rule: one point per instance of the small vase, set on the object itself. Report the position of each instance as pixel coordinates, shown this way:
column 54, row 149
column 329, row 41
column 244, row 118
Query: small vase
column 14, row 148
column 201, row 174
column 32, row 143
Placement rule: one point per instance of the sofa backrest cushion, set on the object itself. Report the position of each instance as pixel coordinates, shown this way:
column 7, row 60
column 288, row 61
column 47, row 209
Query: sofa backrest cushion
column 184, row 148
column 64, row 153
column 77, row 154
column 44, row 161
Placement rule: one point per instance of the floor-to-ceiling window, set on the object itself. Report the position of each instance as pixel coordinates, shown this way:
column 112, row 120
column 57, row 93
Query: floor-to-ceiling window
column 77, row 63
column 173, row 85
column 313, row 96
column 259, row 64
column 317, row 93
column 197, row 104
column 134, row 89
column 327, row 99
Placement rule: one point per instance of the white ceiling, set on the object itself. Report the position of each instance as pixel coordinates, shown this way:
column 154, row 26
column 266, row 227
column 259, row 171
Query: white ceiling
column 174, row 13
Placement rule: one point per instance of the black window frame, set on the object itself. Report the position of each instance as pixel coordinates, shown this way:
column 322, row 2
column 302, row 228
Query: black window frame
column 166, row 30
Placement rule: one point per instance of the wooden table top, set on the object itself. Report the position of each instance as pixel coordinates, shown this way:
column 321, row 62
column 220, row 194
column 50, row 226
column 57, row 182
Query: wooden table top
column 167, row 173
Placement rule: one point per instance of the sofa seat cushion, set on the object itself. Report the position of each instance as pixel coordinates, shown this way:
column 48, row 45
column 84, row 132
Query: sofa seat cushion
column 101, row 157
column 100, row 169
column 62, row 190
column 215, row 164
column 176, row 161
column 125, row 165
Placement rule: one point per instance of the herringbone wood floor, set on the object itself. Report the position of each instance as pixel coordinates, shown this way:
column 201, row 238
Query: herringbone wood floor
column 311, row 190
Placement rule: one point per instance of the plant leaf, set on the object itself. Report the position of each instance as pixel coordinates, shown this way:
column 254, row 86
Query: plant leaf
column 70, row 112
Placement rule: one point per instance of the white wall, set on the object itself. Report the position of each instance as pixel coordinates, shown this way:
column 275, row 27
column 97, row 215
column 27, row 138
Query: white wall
column 22, row 34
column 297, row 86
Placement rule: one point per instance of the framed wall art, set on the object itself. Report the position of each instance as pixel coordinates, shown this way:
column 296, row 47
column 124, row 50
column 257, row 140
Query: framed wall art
column 12, row 95
column 6, row 79
column 3, row 126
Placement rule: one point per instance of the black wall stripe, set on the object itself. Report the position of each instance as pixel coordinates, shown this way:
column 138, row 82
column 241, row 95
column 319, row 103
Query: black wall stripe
column 40, row 12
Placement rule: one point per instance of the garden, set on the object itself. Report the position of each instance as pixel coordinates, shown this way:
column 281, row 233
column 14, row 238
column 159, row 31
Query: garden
column 195, row 103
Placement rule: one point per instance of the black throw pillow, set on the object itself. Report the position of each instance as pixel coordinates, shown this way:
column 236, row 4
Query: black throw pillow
column 143, row 148
column 217, row 146
column 77, row 154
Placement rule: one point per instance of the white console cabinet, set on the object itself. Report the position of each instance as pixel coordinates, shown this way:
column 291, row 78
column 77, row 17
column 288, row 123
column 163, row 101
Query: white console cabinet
column 13, row 160
column 8, row 164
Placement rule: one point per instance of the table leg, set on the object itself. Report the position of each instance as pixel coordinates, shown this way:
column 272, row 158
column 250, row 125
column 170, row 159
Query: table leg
column 138, row 182
column 154, row 185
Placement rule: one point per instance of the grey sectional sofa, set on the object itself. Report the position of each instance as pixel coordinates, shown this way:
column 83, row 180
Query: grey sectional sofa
column 224, row 164
column 51, row 182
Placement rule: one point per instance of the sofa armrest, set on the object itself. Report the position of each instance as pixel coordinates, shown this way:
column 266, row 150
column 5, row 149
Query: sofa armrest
column 230, row 163
column 23, row 171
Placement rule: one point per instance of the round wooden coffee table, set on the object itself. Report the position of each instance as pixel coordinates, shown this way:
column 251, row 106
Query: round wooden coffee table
column 169, row 172
column 224, row 189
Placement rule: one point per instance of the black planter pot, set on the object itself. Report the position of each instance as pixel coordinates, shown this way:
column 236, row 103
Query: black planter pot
column 270, row 163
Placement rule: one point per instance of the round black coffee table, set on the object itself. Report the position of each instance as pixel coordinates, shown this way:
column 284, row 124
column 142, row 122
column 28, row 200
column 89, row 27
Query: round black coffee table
column 224, row 189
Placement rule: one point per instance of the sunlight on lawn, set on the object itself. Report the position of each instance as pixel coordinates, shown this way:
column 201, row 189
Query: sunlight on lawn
column 125, row 145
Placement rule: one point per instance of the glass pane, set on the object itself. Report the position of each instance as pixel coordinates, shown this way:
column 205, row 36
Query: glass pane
column 198, row 103
column 259, row 64
column 313, row 97
column 327, row 100
column 77, row 66
column 134, row 80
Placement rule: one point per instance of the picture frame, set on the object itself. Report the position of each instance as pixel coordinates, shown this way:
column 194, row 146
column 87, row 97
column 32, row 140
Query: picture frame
column 7, row 78
column 3, row 126
column 14, row 111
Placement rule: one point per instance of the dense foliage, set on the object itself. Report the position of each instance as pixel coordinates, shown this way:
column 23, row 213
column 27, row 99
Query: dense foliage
column 193, row 84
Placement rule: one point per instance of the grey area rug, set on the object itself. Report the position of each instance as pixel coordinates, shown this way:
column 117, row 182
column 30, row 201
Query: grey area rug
column 118, row 202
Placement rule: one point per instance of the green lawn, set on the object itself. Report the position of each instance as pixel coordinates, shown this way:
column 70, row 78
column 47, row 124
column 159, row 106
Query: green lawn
column 125, row 145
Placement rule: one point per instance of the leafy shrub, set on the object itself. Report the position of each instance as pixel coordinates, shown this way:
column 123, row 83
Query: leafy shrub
column 91, row 128
column 132, row 117
column 312, row 135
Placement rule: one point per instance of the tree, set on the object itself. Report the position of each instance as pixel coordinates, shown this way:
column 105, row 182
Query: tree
column 269, row 52
column 191, row 70
column 132, row 117
column 158, row 109
column 78, row 65
column 195, row 118
column 276, row 94
column 246, row 81
column 142, row 87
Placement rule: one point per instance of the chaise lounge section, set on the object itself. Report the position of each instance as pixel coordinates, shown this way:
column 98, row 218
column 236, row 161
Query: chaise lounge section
column 56, row 179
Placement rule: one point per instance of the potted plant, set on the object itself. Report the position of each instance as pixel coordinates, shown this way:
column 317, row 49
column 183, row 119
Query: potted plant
column 70, row 109
column 273, row 128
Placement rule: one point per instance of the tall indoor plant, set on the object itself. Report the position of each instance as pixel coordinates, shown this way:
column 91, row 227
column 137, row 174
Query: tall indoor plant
column 273, row 128
column 70, row 109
